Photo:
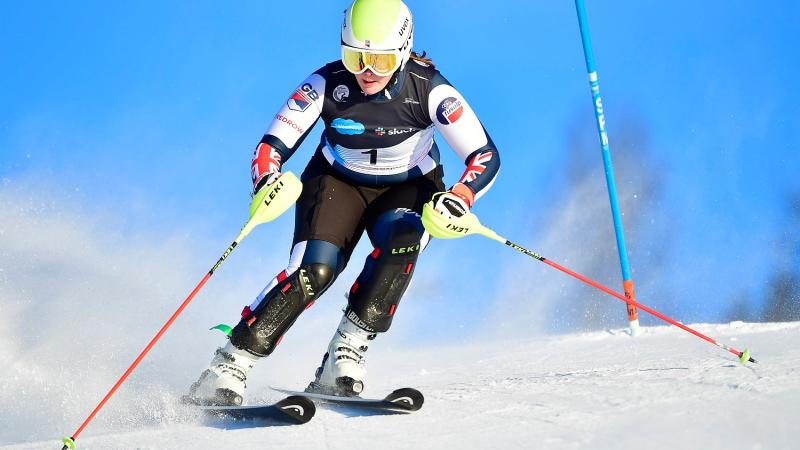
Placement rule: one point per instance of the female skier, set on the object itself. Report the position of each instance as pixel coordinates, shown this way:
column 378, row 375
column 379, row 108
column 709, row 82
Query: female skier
column 375, row 167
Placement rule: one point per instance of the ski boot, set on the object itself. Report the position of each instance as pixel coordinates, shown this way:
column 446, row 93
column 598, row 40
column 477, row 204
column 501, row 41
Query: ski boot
column 343, row 366
column 223, row 383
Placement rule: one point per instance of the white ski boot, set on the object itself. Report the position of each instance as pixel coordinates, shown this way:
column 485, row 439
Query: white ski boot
column 343, row 366
column 223, row 383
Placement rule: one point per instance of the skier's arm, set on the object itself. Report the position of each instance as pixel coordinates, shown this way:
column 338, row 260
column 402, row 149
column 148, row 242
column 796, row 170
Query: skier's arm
column 288, row 129
column 462, row 130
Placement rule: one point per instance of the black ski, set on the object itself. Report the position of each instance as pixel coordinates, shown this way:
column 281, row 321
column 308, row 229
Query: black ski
column 402, row 400
column 295, row 409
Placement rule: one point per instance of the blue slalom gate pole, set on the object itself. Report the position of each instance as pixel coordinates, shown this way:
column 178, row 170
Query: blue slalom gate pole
column 627, row 282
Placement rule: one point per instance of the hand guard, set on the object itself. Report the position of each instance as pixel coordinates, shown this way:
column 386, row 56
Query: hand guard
column 450, row 204
column 447, row 215
column 445, row 225
column 265, row 181
column 275, row 199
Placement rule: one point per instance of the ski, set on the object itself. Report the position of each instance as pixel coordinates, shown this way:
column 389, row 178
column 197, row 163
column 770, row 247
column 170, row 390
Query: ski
column 404, row 400
column 295, row 409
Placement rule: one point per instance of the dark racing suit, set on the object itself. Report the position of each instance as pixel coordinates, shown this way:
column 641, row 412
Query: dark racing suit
column 376, row 165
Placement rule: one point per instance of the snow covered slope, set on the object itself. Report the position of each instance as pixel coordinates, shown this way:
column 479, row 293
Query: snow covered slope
column 663, row 390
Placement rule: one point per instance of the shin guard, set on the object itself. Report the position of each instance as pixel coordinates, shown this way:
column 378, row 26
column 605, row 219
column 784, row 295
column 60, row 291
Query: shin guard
column 374, row 297
column 261, row 329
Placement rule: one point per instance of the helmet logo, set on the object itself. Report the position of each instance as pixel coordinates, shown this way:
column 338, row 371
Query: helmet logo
column 404, row 27
column 367, row 43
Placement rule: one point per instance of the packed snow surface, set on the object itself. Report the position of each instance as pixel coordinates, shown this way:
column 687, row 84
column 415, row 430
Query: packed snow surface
column 664, row 389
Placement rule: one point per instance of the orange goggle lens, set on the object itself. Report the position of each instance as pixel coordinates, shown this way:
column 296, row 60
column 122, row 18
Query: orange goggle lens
column 358, row 61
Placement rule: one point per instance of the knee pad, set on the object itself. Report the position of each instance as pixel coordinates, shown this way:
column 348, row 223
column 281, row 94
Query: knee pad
column 262, row 327
column 387, row 272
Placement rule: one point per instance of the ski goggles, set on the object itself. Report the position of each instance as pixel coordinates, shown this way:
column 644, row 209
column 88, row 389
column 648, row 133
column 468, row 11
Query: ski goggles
column 380, row 62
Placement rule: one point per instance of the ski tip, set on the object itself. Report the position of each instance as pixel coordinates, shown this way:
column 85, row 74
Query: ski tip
column 69, row 443
column 298, row 408
column 409, row 399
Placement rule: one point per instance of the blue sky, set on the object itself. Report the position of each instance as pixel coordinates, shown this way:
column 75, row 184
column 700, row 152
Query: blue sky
column 150, row 111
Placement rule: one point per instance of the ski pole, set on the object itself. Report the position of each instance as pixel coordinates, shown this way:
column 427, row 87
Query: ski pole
column 588, row 53
column 267, row 205
column 468, row 224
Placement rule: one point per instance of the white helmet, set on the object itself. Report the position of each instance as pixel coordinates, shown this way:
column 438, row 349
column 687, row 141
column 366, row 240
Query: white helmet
column 379, row 26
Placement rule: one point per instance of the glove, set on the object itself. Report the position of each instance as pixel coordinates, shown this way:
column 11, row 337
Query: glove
column 452, row 203
column 265, row 167
column 265, row 181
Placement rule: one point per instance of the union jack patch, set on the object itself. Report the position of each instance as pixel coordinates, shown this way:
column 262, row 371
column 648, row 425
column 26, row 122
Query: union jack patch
column 476, row 167
column 266, row 160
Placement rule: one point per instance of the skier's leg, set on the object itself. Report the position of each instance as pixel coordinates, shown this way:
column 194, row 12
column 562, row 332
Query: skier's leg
column 394, row 225
column 397, row 239
column 266, row 320
column 328, row 222
column 372, row 301
column 313, row 265
column 393, row 221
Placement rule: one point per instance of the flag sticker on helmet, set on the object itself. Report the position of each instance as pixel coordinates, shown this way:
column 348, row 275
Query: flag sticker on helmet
column 449, row 110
